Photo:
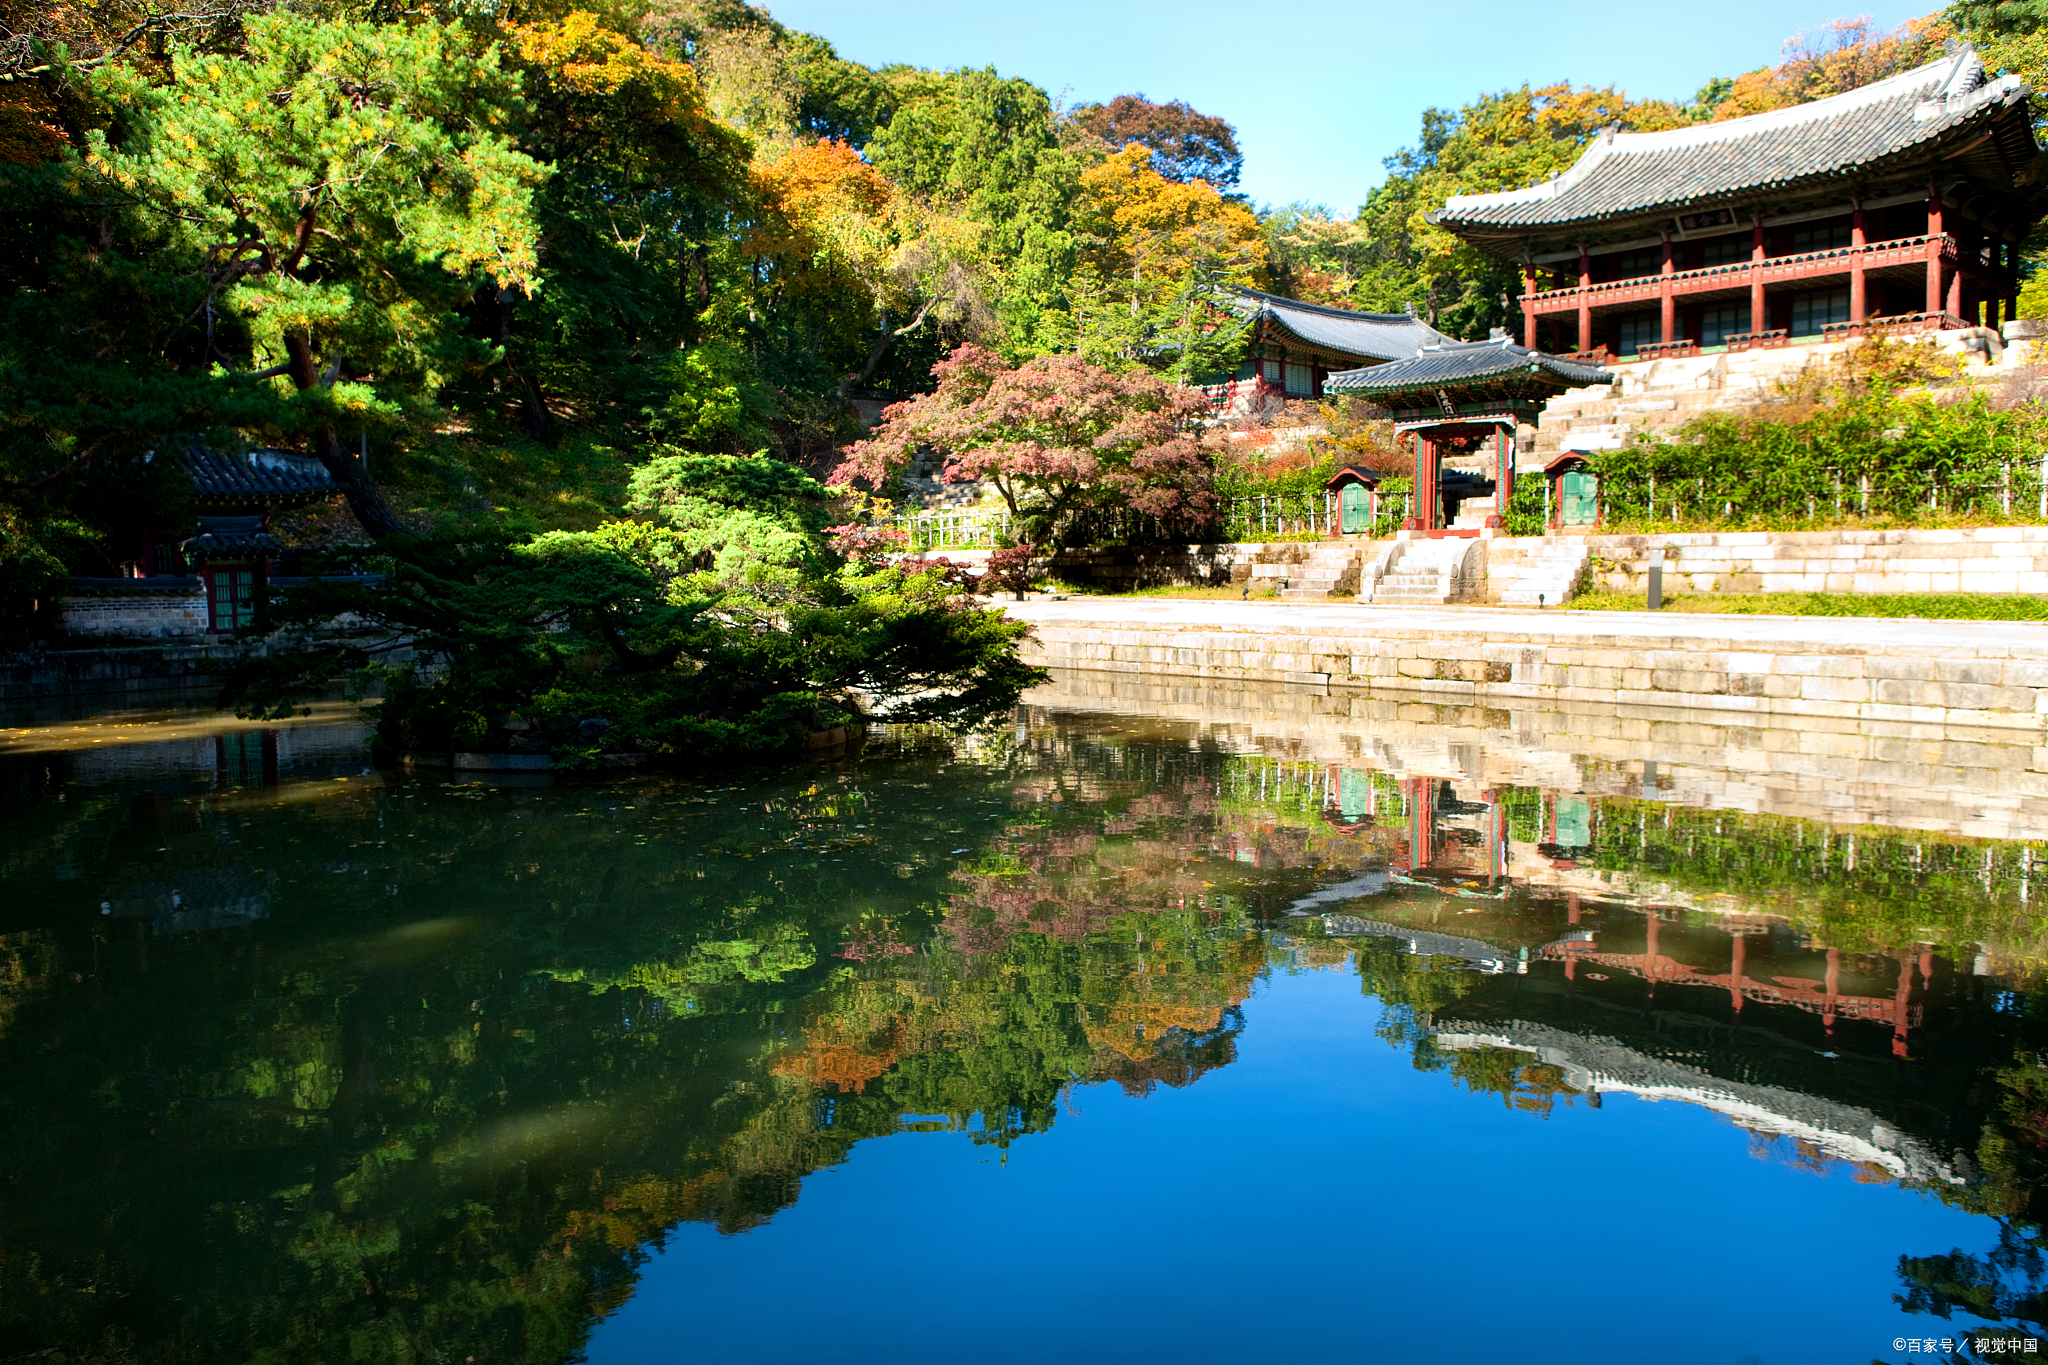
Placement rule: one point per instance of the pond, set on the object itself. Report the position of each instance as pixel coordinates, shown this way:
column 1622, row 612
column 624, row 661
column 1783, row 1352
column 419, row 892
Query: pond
column 1105, row 1034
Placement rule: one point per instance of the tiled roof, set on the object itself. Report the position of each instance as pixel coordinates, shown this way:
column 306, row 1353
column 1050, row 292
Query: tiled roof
column 232, row 545
column 1895, row 119
column 1456, row 363
column 1366, row 336
column 254, row 476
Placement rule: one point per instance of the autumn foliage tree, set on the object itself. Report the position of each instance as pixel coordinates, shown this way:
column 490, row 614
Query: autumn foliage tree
column 1186, row 145
column 1155, row 255
column 1070, row 447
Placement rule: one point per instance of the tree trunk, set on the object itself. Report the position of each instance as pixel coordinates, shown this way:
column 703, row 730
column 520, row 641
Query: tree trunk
column 372, row 513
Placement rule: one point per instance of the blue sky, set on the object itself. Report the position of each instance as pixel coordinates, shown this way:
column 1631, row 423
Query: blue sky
column 1320, row 90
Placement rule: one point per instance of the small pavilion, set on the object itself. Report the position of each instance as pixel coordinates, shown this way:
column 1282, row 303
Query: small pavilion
column 1898, row 206
column 1294, row 347
column 228, row 546
column 1464, row 399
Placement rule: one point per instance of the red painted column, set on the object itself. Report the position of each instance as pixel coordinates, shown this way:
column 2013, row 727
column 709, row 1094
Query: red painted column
column 1759, row 320
column 1954, row 305
column 1735, row 973
column 1996, row 297
column 1857, row 291
column 1429, row 492
column 1667, row 306
column 1529, row 307
column 1503, row 468
column 1901, row 1002
column 1585, row 299
column 1834, row 986
column 1650, row 953
column 1934, row 239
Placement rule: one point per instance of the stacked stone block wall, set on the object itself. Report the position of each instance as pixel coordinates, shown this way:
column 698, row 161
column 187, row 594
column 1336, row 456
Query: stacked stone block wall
column 1857, row 773
column 1982, row 559
column 136, row 616
column 2002, row 687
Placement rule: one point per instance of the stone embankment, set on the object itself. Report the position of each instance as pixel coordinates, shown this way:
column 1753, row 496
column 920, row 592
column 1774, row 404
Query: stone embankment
column 1986, row 677
column 1982, row 784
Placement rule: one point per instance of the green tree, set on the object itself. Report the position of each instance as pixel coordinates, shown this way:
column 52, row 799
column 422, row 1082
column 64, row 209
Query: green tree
column 340, row 188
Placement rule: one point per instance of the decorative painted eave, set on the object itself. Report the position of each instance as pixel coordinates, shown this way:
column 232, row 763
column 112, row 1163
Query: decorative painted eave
column 1901, row 122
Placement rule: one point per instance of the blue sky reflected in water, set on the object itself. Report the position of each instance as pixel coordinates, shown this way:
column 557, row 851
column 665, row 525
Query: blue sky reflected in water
column 1318, row 1198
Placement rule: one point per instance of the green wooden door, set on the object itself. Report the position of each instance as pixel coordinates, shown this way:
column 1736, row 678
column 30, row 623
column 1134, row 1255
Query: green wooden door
column 234, row 598
column 1357, row 508
column 1581, row 493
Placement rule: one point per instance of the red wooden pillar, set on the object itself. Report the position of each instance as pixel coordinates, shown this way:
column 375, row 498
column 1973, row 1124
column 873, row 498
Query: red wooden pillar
column 1585, row 299
column 1667, row 306
column 1759, row 320
column 1735, row 973
column 1420, row 793
column 1503, row 468
column 1934, row 241
column 1954, row 305
column 1902, row 1001
column 1529, row 307
column 1650, row 953
column 1996, row 295
column 1834, row 990
column 1856, row 243
column 1428, row 495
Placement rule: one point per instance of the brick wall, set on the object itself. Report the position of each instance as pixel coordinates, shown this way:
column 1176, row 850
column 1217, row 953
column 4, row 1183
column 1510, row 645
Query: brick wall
column 136, row 616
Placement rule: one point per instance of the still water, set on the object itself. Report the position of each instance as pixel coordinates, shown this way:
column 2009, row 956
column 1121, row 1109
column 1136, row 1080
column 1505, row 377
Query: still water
column 1100, row 1036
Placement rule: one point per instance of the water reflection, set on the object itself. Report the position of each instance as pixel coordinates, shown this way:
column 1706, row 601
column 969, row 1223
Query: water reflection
column 299, row 1060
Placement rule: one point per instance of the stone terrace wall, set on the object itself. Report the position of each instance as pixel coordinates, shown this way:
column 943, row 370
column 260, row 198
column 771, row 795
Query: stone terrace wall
column 1982, row 559
column 1959, row 674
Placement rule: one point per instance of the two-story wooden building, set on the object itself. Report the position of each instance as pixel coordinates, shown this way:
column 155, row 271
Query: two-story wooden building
column 1901, row 204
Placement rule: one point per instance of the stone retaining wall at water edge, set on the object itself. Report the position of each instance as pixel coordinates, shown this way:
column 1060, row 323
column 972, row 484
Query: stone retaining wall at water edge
column 1987, row 785
column 1986, row 675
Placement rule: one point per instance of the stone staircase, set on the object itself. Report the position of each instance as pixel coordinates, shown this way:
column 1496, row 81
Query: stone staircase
column 1529, row 572
column 1329, row 570
column 1429, row 573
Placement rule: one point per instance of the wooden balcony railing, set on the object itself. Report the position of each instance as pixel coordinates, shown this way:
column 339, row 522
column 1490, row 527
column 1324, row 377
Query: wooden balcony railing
column 1711, row 279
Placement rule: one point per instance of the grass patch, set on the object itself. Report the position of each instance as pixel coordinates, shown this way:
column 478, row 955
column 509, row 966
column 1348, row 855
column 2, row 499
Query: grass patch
column 1930, row 606
column 1230, row 594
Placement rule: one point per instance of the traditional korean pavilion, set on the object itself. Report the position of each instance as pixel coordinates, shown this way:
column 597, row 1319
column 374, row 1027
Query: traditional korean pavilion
column 1461, row 399
column 1902, row 204
column 230, row 550
column 1295, row 346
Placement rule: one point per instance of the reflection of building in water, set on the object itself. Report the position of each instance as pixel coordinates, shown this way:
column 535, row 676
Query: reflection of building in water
column 1824, row 997
column 202, row 899
column 1474, row 953
column 1595, row 1066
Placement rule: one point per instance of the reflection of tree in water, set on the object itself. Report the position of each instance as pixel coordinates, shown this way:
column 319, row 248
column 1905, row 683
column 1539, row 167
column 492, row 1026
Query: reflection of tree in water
column 353, row 1129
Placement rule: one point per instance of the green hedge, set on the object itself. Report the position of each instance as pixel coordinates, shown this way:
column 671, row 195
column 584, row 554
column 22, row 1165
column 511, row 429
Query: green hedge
column 1871, row 457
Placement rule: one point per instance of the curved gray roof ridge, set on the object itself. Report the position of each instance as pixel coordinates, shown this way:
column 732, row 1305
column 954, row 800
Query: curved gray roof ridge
column 1955, row 87
column 1372, row 336
column 1453, row 361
